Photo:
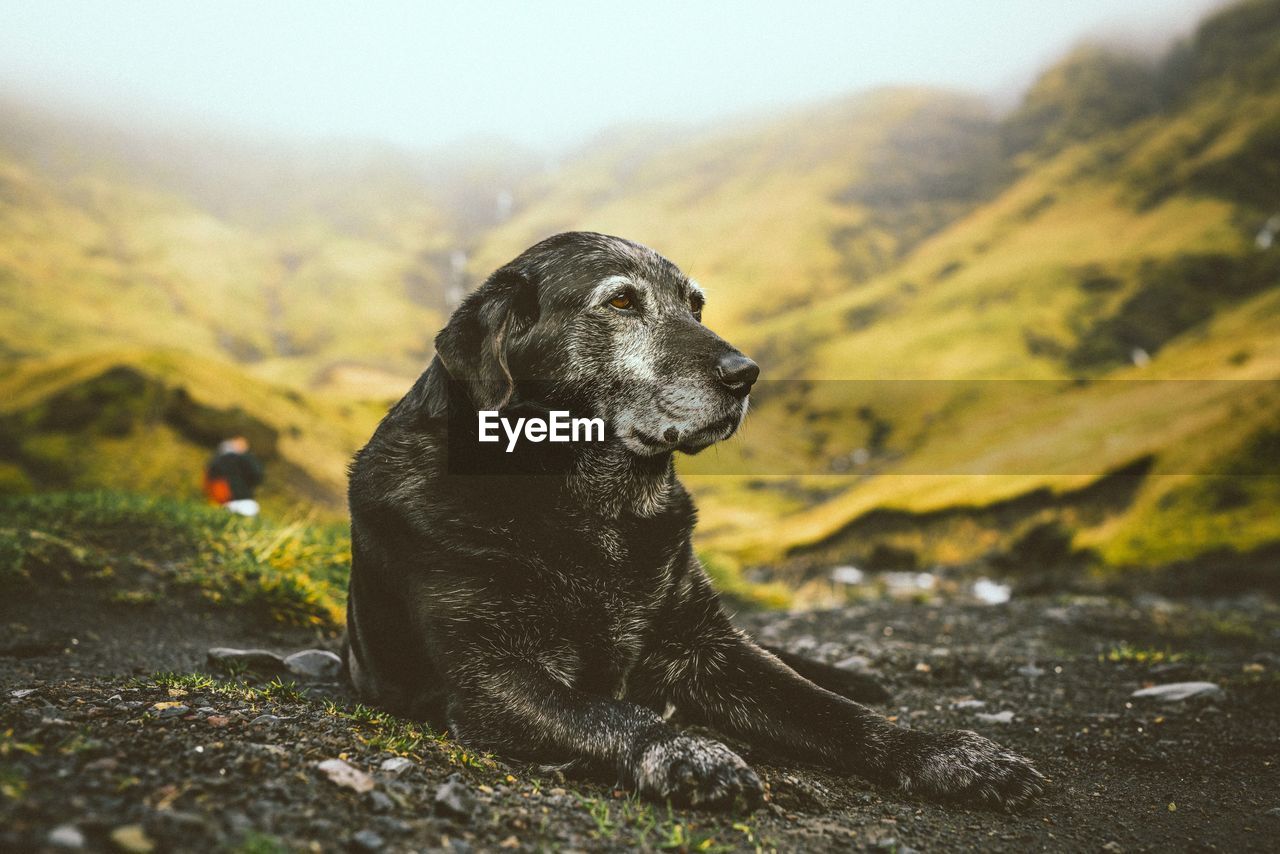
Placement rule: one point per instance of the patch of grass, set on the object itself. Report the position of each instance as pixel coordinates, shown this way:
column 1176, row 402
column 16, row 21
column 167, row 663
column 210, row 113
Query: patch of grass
column 13, row 782
column 182, row 684
column 387, row 733
column 637, row 823
column 10, row 746
column 726, row 574
column 1125, row 653
column 260, row 843
column 292, row 572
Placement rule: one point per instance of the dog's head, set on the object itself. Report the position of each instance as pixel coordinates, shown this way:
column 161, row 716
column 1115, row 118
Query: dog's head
column 605, row 328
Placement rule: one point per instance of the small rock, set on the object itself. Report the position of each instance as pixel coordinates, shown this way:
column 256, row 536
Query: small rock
column 273, row 749
column 857, row 663
column 266, row 720
column 217, row 720
column 969, row 704
column 132, row 839
column 396, row 765
column 509, row 842
column 1030, row 671
column 314, row 664
column 65, row 836
column 367, row 840
column 261, row 660
column 1005, row 717
column 380, row 802
column 342, row 774
column 847, row 575
column 1176, row 692
column 1274, row 812
column 453, row 798
column 1112, row 847
column 22, row 692
column 991, row 592
column 173, row 711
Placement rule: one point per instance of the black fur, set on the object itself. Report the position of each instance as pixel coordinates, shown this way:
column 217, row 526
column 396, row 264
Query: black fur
column 559, row 614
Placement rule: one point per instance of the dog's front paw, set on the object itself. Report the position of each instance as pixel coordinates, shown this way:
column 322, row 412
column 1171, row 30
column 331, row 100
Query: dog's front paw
column 696, row 772
column 963, row 765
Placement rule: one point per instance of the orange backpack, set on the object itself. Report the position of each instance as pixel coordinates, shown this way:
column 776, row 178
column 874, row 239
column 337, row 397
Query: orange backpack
column 217, row 489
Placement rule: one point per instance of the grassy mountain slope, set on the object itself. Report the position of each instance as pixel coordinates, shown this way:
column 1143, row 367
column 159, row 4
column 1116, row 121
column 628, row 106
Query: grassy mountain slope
column 768, row 214
column 303, row 265
column 982, row 337
column 1139, row 241
column 147, row 421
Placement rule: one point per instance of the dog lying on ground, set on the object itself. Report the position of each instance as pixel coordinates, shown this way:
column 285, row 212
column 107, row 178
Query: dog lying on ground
column 547, row 605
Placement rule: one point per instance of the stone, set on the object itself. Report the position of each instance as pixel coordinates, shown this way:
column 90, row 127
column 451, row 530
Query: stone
column 342, row 774
column 454, row 799
column 1176, row 692
column 367, row 840
column 396, row 765
column 969, row 704
column 856, row 663
column 847, row 575
column 380, row 802
column 314, row 664
column 259, row 660
column 1005, row 717
column 132, row 839
column 65, row 836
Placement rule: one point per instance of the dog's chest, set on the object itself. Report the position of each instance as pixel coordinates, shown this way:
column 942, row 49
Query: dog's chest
column 617, row 596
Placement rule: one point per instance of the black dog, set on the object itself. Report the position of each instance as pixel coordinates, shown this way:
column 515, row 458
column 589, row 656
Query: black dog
column 554, row 611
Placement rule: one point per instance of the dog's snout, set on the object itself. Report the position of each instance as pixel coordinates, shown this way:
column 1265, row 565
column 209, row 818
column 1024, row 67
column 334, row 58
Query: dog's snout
column 737, row 373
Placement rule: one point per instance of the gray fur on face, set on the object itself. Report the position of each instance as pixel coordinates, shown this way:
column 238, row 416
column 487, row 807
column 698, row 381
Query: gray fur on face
column 636, row 365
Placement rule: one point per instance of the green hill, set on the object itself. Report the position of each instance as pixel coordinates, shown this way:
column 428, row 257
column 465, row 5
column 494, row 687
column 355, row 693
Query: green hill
column 321, row 268
column 1144, row 239
column 1046, row 338
column 769, row 213
column 147, row 421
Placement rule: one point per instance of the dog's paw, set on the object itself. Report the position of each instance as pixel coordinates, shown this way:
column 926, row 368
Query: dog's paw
column 963, row 765
column 696, row 772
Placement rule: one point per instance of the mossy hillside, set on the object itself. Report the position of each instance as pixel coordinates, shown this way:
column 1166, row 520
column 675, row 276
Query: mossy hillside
column 148, row 421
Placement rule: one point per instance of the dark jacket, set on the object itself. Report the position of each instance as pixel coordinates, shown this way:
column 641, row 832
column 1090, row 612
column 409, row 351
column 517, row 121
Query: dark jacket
column 242, row 472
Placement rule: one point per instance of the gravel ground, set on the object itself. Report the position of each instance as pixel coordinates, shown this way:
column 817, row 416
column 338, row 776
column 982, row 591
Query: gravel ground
column 98, row 752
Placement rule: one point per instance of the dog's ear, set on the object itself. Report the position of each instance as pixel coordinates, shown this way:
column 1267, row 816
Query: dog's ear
column 473, row 345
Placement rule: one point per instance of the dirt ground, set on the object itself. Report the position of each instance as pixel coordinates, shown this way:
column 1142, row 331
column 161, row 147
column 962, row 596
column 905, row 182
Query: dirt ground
column 100, row 753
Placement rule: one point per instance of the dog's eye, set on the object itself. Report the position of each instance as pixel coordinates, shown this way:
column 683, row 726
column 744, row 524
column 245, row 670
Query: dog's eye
column 622, row 301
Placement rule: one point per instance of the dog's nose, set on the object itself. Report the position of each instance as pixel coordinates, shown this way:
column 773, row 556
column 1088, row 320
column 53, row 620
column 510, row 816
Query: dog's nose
column 737, row 373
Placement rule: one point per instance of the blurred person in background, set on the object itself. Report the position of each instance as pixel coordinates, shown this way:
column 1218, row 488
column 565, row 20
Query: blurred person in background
column 232, row 475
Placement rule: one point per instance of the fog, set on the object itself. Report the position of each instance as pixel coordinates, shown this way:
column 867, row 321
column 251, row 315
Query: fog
column 540, row 75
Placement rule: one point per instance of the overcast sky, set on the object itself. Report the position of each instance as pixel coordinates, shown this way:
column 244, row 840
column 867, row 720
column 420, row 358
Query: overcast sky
column 545, row 74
